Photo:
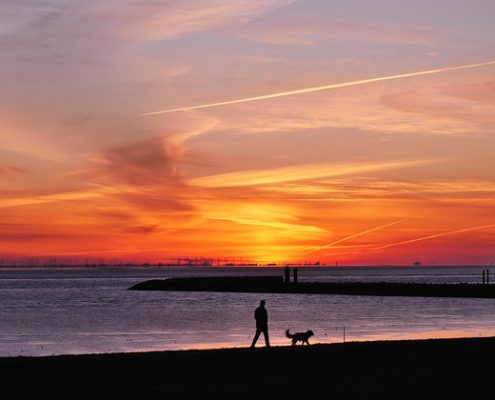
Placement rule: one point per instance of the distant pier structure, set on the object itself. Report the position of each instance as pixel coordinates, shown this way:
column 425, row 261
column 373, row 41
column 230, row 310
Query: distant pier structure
column 486, row 277
column 287, row 275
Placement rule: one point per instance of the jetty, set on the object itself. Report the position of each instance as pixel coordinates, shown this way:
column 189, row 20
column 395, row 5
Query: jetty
column 276, row 284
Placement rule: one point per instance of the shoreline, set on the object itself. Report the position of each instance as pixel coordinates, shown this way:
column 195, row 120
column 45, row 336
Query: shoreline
column 406, row 369
column 259, row 347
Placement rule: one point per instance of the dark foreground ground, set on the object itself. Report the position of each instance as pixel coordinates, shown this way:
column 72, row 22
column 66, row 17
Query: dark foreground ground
column 431, row 369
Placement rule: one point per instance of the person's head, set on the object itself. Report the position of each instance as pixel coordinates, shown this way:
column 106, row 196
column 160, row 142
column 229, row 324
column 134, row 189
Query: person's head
column 262, row 303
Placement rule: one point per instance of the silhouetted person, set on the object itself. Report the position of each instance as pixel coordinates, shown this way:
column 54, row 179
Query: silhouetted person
column 261, row 317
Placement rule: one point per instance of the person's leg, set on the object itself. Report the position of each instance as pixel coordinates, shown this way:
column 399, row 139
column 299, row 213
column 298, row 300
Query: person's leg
column 256, row 336
column 267, row 339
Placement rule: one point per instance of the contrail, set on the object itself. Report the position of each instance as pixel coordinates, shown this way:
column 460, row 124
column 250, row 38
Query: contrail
column 419, row 239
column 324, row 87
column 434, row 236
column 353, row 236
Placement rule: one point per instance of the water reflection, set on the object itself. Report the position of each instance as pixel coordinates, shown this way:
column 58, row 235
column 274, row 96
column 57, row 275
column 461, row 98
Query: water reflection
column 46, row 313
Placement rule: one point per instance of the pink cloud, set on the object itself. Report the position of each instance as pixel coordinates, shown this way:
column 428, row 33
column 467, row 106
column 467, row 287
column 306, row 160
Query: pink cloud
column 481, row 92
column 304, row 32
column 461, row 104
column 10, row 170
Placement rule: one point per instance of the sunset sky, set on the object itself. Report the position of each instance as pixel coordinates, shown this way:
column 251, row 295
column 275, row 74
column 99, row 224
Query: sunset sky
column 387, row 172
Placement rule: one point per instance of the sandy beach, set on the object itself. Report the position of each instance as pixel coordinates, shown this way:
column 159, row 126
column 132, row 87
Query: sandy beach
column 436, row 369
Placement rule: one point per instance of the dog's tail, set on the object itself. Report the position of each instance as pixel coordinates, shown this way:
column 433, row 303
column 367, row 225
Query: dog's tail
column 287, row 333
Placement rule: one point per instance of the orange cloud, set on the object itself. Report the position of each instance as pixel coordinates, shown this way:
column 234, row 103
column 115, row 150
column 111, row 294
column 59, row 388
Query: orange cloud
column 24, row 201
column 299, row 172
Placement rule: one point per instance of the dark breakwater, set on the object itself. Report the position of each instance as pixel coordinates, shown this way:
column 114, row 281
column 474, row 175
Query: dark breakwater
column 276, row 284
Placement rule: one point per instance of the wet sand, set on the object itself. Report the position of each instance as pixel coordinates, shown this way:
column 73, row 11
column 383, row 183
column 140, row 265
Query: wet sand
column 425, row 369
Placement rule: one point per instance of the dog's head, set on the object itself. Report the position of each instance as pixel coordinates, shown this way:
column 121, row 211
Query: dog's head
column 310, row 333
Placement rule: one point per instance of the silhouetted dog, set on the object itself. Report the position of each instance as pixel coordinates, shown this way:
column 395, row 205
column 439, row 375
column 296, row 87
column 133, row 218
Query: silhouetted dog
column 302, row 337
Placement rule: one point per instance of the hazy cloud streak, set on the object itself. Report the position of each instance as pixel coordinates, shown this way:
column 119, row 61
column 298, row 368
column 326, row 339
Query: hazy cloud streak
column 299, row 172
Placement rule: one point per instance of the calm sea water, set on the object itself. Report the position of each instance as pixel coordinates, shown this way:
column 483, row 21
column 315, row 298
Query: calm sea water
column 44, row 312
